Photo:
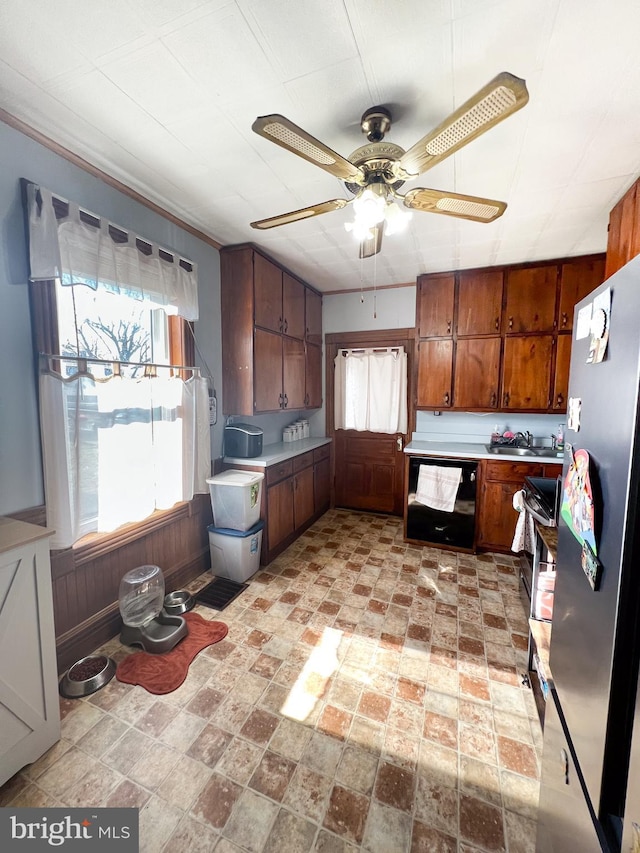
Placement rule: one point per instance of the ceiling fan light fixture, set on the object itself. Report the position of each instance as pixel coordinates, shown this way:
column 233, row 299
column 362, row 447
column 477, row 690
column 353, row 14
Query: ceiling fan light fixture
column 396, row 220
column 369, row 205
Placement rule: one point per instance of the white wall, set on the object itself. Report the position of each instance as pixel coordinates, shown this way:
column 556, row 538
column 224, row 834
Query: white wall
column 21, row 157
column 393, row 307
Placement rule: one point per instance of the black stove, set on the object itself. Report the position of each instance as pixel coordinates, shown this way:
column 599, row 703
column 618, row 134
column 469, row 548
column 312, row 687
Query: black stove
column 542, row 496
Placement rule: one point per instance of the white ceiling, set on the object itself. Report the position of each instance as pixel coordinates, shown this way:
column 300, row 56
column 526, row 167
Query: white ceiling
column 161, row 94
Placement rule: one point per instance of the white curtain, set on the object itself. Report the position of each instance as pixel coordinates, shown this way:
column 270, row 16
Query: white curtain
column 116, row 449
column 371, row 390
column 75, row 252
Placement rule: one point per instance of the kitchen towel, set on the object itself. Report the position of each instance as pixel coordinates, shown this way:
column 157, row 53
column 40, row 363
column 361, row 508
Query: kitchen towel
column 438, row 486
column 525, row 535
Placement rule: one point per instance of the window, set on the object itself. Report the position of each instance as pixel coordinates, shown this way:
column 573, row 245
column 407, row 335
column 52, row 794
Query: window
column 124, row 427
column 102, row 325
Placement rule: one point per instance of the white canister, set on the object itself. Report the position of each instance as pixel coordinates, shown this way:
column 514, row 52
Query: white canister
column 305, row 429
column 287, row 434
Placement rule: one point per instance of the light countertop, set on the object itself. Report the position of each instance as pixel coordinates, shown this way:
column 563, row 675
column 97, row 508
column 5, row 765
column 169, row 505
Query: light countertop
column 15, row 534
column 281, row 451
column 463, row 450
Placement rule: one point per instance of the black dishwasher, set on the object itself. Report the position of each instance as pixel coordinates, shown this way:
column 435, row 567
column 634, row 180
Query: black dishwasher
column 455, row 529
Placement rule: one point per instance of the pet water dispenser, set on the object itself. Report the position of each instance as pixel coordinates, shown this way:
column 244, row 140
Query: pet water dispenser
column 146, row 623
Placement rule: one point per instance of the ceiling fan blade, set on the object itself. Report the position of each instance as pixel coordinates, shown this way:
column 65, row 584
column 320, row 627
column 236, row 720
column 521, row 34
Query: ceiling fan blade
column 453, row 204
column 285, row 133
column 303, row 213
column 500, row 98
column 372, row 245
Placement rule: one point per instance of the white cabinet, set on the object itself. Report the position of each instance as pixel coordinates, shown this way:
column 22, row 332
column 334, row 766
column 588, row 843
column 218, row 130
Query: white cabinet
column 29, row 703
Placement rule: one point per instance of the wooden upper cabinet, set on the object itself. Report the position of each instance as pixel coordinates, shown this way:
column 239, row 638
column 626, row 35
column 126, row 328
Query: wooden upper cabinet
column 313, row 313
column 560, row 389
column 577, row 279
column 313, row 376
column 477, row 373
column 293, row 373
column 526, row 382
column 531, row 299
column 435, row 367
column 267, row 283
column 267, row 372
column 436, row 301
column 265, row 316
column 623, row 240
column 293, row 307
column 479, row 302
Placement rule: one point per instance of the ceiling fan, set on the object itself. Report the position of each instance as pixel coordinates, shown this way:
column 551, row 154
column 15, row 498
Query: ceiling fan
column 374, row 173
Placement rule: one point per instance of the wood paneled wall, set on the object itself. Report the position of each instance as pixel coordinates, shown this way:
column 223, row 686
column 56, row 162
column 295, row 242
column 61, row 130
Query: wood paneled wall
column 86, row 578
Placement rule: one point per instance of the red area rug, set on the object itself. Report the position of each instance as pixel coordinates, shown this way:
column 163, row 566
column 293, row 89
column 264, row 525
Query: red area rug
column 164, row 673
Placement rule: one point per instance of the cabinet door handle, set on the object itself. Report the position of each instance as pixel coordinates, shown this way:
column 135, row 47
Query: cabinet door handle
column 494, row 399
column 286, row 325
column 448, row 327
column 280, row 323
column 285, row 401
column 564, row 319
column 506, row 398
column 280, row 400
column 559, row 401
column 306, row 399
column 497, row 324
column 447, row 397
column 511, row 322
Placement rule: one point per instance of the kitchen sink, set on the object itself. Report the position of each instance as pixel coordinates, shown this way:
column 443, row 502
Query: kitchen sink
column 502, row 450
column 506, row 450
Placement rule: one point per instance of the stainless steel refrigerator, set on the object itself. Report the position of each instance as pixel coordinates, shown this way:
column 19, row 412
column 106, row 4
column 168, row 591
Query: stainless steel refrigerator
column 590, row 785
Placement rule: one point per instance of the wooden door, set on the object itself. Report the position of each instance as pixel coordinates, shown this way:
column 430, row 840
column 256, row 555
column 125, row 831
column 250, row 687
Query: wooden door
column 369, row 471
column 267, row 371
column 531, row 299
column 313, row 377
column 577, row 279
column 280, row 515
column 435, row 372
column 435, row 295
column 303, row 496
column 561, row 374
column 526, row 380
column 479, row 302
column 367, row 467
column 293, row 372
column 293, row 307
column 313, row 314
column 267, row 288
column 477, row 373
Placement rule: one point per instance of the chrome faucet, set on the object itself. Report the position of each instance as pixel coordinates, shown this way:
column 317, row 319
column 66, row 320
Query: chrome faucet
column 523, row 439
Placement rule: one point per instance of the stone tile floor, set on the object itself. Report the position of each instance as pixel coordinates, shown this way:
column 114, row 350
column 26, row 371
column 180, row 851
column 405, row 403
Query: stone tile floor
column 366, row 698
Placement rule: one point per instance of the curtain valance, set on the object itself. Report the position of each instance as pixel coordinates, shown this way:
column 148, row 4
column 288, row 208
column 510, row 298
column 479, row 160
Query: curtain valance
column 78, row 247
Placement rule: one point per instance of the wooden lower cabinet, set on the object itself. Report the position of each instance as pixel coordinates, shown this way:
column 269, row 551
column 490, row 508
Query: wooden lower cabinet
column 296, row 493
column 496, row 516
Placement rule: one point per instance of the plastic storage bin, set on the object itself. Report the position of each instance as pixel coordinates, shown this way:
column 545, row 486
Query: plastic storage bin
column 235, row 498
column 235, row 554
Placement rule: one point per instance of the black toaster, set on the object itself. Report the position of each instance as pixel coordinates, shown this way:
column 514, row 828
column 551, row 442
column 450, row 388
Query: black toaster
column 242, row 440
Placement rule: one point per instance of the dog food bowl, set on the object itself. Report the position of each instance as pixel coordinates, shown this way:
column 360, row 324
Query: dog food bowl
column 178, row 602
column 87, row 675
